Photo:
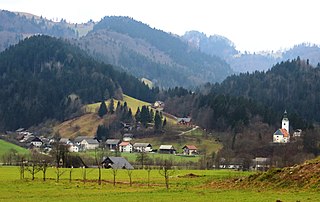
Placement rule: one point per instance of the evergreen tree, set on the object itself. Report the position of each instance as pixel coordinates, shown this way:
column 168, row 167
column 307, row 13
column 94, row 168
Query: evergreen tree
column 164, row 122
column 102, row 132
column 137, row 115
column 157, row 122
column 102, row 109
column 118, row 109
column 144, row 116
column 111, row 106
column 151, row 116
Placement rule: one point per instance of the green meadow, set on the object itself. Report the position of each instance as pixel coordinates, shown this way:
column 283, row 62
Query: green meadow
column 6, row 147
column 185, row 185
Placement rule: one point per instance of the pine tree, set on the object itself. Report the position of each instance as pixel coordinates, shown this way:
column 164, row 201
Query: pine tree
column 144, row 116
column 164, row 122
column 111, row 106
column 137, row 115
column 102, row 109
column 102, row 132
column 157, row 122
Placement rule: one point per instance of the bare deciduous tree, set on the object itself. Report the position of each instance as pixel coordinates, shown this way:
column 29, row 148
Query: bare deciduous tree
column 166, row 171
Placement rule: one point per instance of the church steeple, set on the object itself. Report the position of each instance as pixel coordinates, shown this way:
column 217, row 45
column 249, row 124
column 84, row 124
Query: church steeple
column 285, row 121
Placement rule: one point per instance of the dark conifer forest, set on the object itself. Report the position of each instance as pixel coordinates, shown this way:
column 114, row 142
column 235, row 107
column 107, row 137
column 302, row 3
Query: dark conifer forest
column 47, row 78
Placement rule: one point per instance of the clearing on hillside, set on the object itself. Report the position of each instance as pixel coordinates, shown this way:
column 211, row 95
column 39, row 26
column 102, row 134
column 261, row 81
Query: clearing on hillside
column 6, row 146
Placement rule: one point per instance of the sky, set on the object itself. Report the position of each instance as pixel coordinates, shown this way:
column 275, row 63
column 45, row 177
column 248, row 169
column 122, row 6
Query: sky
column 253, row 25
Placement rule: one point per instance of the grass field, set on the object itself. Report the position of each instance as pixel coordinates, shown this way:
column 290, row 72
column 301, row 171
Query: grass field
column 131, row 102
column 182, row 187
column 6, row 146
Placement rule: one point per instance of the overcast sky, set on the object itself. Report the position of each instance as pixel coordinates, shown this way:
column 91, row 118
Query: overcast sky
column 253, row 25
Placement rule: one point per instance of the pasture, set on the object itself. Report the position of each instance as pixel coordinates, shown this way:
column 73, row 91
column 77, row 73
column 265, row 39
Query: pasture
column 185, row 185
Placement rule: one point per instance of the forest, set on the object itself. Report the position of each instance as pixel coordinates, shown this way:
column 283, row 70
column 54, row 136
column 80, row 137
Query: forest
column 48, row 78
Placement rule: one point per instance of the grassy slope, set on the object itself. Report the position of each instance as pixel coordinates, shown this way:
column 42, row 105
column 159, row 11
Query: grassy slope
column 88, row 123
column 132, row 103
column 182, row 188
column 6, row 146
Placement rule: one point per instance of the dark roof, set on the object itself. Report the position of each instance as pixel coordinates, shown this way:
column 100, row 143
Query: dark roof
column 112, row 141
column 141, row 145
column 128, row 135
column 80, row 138
column 36, row 139
column 118, row 163
column 92, row 141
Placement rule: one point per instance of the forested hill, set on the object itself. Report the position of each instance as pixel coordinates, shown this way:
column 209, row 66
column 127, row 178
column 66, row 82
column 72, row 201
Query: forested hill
column 145, row 52
column 47, row 78
column 291, row 85
column 17, row 26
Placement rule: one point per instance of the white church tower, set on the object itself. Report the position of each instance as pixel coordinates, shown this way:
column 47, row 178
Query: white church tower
column 282, row 135
column 285, row 122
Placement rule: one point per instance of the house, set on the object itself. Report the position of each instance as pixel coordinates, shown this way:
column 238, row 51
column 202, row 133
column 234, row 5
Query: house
column 116, row 163
column 89, row 144
column 142, row 147
column 233, row 163
column 189, row 150
column 113, row 144
column 282, row 135
column 127, row 126
column 127, row 137
column 260, row 163
column 79, row 139
column 167, row 149
column 125, row 147
column 65, row 141
column 36, row 142
column 73, row 148
column 158, row 104
column 297, row 133
column 184, row 121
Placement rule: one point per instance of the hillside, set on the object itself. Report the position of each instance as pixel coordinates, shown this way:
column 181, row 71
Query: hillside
column 153, row 54
column 6, row 147
column 47, row 78
column 87, row 124
column 292, row 85
column 249, row 62
column 17, row 26
column 305, row 175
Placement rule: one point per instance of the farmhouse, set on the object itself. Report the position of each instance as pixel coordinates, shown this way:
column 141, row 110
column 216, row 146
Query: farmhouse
column 125, row 147
column 261, row 163
column 113, row 144
column 89, row 144
column 36, row 142
column 189, row 150
column 127, row 137
column 167, row 149
column 78, row 139
column 184, row 121
column 142, row 147
column 116, row 163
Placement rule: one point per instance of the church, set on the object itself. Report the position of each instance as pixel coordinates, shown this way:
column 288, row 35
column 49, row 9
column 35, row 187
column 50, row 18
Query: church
column 282, row 135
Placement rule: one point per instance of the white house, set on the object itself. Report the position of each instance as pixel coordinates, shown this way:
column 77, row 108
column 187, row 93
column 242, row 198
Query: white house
column 127, row 137
column 142, row 147
column 36, row 142
column 189, row 150
column 73, row 148
column 89, row 144
column 125, row 147
column 282, row 135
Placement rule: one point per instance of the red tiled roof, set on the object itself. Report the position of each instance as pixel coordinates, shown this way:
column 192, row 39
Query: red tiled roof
column 192, row 147
column 124, row 143
column 284, row 132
